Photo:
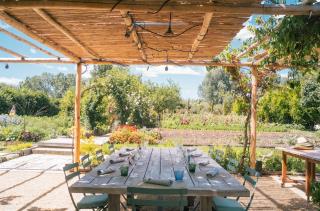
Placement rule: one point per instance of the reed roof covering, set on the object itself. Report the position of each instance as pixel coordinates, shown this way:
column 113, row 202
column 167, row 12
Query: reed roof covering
column 134, row 32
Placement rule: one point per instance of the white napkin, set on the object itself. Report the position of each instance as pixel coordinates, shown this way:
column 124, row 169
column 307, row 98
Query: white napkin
column 212, row 172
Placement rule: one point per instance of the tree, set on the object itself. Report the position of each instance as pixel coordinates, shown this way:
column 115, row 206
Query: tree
column 309, row 114
column 215, row 86
column 165, row 97
column 53, row 85
column 27, row 102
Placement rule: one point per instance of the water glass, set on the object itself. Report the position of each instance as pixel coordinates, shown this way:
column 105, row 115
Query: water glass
column 178, row 174
column 192, row 167
column 124, row 170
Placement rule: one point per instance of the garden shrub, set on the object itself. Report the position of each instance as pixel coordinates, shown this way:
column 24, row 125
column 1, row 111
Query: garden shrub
column 315, row 192
column 18, row 147
column 133, row 136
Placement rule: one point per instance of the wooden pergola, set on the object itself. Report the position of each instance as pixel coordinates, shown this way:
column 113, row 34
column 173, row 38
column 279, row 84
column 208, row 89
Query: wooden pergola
column 129, row 32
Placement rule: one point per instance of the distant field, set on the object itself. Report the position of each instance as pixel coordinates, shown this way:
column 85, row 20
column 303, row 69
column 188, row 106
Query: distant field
column 233, row 138
column 208, row 121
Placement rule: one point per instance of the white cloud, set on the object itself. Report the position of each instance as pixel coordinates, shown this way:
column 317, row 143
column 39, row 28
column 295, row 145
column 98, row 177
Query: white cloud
column 63, row 68
column 10, row 81
column 155, row 71
column 33, row 51
column 48, row 66
column 244, row 34
column 87, row 71
column 4, row 25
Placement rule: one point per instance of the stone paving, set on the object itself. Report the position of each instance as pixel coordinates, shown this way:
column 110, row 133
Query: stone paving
column 36, row 183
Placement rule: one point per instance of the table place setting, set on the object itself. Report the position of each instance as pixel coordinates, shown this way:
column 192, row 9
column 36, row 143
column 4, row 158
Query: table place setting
column 116, row 160
column 161, row 182
column 109, row 170
column 124, row 154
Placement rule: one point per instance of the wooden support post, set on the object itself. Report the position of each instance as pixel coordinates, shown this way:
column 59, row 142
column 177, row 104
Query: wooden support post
column 308, row 179
column 253, row 121
column 284, row 169
column 76, row 151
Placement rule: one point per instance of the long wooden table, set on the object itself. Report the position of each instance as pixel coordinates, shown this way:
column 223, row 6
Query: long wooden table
column 159, row 163
column 311, row 157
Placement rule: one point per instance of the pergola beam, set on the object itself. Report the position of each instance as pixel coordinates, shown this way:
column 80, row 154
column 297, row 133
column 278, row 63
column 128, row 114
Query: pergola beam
column 37, row 60
column 203, row 31
column 8, row 51
column 49, row 19
column 172, row 6
column 11, row 20
column 133, row 33
column 18, row 38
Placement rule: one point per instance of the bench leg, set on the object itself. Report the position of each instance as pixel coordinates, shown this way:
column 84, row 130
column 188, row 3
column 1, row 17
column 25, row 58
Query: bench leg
column 284, row 169
column 205, row 203
column 114, row 202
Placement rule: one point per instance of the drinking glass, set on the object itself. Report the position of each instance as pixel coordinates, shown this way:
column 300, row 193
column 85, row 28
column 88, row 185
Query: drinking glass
column 124, row 170
column 178, row 174
column 192, row 167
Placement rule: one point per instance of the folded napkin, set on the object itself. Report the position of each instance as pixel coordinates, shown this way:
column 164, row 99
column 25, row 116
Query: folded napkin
column 162, row 182
column 129, row 149
column 116, row 160
column 204, row 163
column 196, row 155
column 107, row 171
column 123, row 154
column 212, row 172
column 191, row 149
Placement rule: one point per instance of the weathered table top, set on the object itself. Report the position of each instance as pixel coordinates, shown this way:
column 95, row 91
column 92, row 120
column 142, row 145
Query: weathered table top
column 159, row 164
column 313, row 155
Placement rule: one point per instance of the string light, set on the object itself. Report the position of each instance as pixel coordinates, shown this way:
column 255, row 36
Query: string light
column 6, row 66
column 166, row 68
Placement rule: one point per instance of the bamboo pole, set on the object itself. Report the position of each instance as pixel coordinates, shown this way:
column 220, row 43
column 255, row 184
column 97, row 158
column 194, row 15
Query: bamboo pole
column 11, row 20
column 203, row 31
column 8, row 51
column 18, row 38
column 173, row 6
column 49, row 19
column 253, row 120
column 36, row 60
column 76, row 151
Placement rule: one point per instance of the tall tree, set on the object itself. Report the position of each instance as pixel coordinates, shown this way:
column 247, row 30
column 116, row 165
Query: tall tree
column 53, row 85
column 215, row 86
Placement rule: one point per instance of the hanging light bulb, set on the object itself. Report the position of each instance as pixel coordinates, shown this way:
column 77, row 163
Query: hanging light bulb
column 7, row 66
column 148, row 67
column 169, row 31
column 166, row 68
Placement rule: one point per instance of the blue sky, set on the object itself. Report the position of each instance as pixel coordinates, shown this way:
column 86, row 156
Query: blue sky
column 188, row 77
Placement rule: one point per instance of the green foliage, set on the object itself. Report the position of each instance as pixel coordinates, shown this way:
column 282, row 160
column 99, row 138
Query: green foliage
column 165, row 97
column 27, row 102
column 240, row 106
column 209, row 121
column 315, row 192
column 18, row 147
column 35, row 129
column 215, row 86
column 127, row 136
column 279, row 105
column 309, row 112
column 287, row 42
column 52, row 85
